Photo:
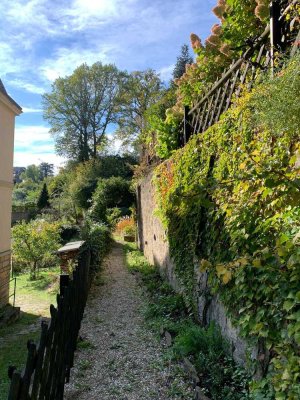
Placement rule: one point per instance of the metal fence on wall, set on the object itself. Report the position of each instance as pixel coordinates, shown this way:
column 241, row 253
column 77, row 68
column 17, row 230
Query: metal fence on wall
column 279, row 36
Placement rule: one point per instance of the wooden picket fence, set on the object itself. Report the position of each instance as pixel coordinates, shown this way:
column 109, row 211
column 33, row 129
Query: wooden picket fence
column 279, row 35
column 49, row 363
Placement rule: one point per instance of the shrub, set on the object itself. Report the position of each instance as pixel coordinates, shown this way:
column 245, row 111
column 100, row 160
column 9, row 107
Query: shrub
column 126, row 226
column 110, row 193
column 98, row 238
column 68, row 232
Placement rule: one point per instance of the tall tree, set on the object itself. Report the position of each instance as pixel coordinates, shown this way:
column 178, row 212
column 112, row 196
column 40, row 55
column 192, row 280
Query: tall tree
column 141, row 90
column 32, row 172
column 43, row 200
column 80, row 108
column 182, row 60
column 46, row 170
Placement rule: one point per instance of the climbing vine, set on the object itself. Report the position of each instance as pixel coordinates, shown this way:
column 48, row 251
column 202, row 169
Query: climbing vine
column 230, row 202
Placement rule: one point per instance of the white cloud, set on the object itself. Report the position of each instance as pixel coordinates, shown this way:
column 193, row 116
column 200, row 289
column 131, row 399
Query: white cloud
column 26, row 136
column 8, row 62
column 29, row 87
column 166, row 72
column 67, row 59
column 31, row 110
column 33, row 145
column 27, row 12
column 24, row 159
column 86, row 12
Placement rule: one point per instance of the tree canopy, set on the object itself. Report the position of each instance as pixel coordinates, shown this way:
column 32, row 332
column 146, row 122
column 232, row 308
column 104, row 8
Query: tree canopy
column 141, row 90
column 81, row 107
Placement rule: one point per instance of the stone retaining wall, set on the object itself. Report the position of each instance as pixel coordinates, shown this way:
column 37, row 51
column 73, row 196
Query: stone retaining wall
column 152, row 240
column 18, row 216
column 5, row 266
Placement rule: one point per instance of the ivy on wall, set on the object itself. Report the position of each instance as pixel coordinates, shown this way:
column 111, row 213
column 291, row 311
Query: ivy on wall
column 230, row 203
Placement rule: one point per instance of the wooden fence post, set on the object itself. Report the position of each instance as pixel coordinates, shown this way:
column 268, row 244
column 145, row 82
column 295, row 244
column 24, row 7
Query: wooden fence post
column 63, row 283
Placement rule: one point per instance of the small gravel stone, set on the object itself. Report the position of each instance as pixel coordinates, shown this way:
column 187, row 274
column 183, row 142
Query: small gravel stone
column 122, row 360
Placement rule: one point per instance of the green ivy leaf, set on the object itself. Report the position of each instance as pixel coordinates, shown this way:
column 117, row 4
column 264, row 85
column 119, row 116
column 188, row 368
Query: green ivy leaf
column 288, row 305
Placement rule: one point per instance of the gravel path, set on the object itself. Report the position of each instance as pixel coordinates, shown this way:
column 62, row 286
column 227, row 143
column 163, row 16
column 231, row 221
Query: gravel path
column 122, row 359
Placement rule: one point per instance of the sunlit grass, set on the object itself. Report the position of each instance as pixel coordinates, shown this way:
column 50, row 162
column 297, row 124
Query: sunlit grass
column 34, row 298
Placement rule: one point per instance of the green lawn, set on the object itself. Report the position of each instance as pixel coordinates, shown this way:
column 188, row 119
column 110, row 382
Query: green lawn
column 34, row 298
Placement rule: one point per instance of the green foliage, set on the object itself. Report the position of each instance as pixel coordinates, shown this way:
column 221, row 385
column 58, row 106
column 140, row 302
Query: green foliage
column 83, row 182
column 26, row 192
column 182, row 60
column 98, row 238
column 46, row 170
column 130, row 230
column 162, row 133
column 167, row 134
column 80, row 107
column 240, row 22
column 29, row 182
column 112, row 216
column 141, row 90
column 221, row 378
column 32, row 173
column 110, row 193
column 72, row 189
column 116, row 165
column 43, row 200
column 34, row 244
column 281, row 116
column 231, row 199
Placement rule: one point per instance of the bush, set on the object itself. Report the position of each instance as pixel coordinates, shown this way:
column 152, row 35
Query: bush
column 98, row 238
column 126, row 226
column 110, row 193
column 68, row 232
column 221, row 377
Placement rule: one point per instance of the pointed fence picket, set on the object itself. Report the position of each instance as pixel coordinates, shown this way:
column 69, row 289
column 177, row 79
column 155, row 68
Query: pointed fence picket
column 48, row 363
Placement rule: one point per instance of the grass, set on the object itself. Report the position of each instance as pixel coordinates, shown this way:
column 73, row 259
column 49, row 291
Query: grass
column 34, row 298
column 220, row 377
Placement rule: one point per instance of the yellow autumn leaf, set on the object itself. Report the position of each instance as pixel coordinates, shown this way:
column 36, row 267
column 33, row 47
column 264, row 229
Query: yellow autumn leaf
column 242, row 261
column 226, row 277
column 256, row 262
column 204, row 265
column 244, row 185
column 243, row 165
column 220, row 269
column 223, row 273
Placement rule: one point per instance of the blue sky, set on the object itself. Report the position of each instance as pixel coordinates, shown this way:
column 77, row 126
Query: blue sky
column 41, row 40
